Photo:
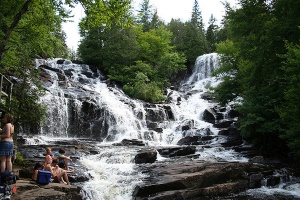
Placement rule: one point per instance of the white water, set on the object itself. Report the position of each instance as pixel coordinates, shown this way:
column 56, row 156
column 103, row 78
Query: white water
column 113, row 169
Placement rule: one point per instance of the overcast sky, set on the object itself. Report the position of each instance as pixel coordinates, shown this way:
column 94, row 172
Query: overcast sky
column 167, row 9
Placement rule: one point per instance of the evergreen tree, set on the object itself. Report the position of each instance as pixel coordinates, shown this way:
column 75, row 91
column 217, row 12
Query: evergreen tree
column 211, row 34
column 196, row 18
column 155, row 21
column 145, row 15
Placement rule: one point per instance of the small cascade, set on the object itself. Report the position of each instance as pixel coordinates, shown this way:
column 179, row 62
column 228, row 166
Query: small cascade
column 204, row 66
column 114, row 176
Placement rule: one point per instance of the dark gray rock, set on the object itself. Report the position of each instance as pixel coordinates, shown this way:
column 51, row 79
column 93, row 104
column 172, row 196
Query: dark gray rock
column 177, row 151
column 146, row 156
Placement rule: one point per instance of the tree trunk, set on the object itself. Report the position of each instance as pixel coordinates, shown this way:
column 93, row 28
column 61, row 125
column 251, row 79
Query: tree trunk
column 17, row 18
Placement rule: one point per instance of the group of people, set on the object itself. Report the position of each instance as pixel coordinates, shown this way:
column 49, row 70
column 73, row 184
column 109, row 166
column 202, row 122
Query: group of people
column 56, row 164
column 6, row 142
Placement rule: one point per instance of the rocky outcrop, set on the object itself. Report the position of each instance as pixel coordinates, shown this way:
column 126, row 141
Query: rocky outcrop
column 200, row 180
column 30, row 191
column 193, row 179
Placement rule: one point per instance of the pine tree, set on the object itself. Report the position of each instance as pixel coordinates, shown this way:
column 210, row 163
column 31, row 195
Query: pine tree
column 211, row 33
column 145, row 15
column 196, row 19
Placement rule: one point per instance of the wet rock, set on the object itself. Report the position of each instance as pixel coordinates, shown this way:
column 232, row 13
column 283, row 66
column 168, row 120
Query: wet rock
column 255, row 180
column 233, row 114
column 145, row 156
column 229, row 131
column 224, row 124
column 194, row 140
column 186, row 125
column 169, row 112
column 206, row 96
column 61, row 61
column 192, row 180
column 257, row 159
column 272, row 181
column 209, row 116
column 127, row 142
column 177, row 151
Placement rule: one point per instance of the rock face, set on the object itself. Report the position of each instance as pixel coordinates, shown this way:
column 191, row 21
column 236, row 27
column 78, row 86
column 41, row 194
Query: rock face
column 199, row 180
column 193, row 179
column 29, row 191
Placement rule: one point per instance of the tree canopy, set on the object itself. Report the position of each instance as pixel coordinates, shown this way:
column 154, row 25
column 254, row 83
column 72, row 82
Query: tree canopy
column 258, row 63
column 33, row 29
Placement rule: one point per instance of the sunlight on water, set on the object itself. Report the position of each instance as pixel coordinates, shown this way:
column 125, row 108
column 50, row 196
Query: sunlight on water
column 127, row 125
column 114, row 176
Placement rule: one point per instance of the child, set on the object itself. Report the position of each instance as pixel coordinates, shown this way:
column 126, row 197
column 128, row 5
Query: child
column 38, row 166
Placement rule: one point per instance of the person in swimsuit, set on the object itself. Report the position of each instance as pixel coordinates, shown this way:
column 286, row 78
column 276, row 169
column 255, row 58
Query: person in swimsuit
column 58, row 174
column 6, row 143
column 48, row 158
column 38, row 166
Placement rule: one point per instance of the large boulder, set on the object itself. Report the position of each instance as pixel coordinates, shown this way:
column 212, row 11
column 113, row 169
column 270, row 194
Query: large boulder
column 195, row 140
column 146, row 156
column 177, row 151
column 192, row 180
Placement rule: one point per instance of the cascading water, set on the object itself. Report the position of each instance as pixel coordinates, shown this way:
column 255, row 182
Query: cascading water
column 81, row 104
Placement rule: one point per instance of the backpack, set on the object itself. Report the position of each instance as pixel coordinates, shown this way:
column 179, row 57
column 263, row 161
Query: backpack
column 7, row 178
column 5, row 192
column 43, row 177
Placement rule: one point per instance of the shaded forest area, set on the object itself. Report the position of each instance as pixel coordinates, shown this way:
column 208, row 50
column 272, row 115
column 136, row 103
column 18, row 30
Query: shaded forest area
column 258, row 42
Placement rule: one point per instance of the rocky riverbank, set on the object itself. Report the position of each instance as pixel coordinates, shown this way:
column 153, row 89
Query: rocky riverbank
column 180, row 175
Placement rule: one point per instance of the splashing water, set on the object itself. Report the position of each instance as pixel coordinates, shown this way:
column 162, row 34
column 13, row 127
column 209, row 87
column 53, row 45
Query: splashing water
column 113, row 170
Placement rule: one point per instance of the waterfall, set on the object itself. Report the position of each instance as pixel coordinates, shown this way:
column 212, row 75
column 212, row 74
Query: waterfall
column 204, row 66
column 82, row 103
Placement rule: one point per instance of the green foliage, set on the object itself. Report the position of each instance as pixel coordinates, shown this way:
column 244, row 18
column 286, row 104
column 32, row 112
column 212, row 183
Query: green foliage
column 110, row 46
column 108, row 13
column 19, row 161
column 211, row 34
column 252, row 70
column 290, row 111
column 188, row 40
column 143, row 89
column 32, row 29
column 196, row 19
column 125, row 52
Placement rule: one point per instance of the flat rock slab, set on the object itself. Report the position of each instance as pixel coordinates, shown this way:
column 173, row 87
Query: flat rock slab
column 192, row 179
column 30, row 191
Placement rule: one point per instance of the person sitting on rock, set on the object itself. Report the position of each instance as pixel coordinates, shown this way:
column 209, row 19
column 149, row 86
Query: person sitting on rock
column 58, row 174
column 38, row 166
column 63, row 161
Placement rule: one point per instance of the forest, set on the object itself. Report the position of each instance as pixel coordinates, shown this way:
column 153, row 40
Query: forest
column 258, row 42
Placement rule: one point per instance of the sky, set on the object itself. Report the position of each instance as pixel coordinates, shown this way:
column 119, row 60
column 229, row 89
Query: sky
column 166, row 9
